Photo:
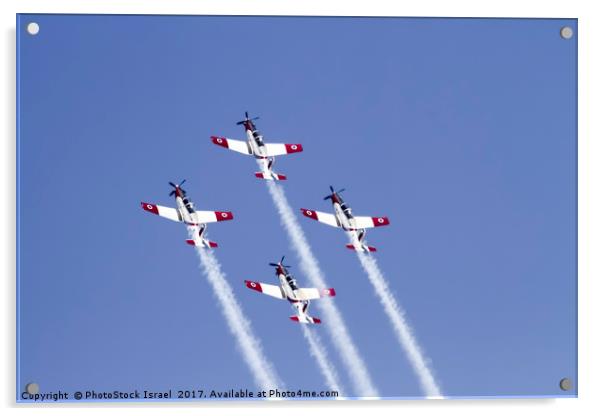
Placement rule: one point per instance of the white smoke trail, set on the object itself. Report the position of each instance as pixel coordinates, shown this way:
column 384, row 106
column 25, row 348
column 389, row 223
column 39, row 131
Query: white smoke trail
column 401, row 327
column 240, row 327
column 318, row 351
column 337, row 328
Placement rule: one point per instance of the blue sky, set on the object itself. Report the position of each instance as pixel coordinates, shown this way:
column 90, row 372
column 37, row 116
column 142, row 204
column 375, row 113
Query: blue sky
column 461, row 131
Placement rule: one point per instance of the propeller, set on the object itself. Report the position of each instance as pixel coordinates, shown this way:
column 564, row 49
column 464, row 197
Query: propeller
column 172, row 193
column 280, row 263
column 332, row 192
column 246, row 119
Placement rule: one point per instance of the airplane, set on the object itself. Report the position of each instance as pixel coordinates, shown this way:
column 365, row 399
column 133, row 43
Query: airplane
column 288, row 289
column 264, row 152
column 343, row 218
column 186, row 213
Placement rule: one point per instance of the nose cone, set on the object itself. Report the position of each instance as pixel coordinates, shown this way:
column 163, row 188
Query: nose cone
column 179, row 192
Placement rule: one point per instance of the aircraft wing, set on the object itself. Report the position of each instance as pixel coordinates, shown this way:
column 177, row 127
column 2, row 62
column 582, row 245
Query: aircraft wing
column 277, row 149
column 321, row 216
column 369, row 222
column 166, row 212
column 309, row 293
column 270, row 290
column 213, row 216
column 236, row 145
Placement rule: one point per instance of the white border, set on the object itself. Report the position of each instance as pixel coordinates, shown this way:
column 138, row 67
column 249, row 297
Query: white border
column 590, row 201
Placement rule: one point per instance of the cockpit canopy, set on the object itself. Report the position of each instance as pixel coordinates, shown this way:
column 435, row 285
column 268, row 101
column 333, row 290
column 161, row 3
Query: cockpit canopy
column 291, row 282
column 188, row 204
column 257, row 135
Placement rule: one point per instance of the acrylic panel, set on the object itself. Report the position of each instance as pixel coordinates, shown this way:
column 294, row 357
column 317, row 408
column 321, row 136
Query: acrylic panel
column 417, row 174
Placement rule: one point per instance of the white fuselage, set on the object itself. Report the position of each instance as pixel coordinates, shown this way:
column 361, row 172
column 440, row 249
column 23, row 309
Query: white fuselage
column 288, row 287
column 256, row 146
column 189, row 216
column 347, row 222
column 345, row 219
column 186, row 210
column 255, row 142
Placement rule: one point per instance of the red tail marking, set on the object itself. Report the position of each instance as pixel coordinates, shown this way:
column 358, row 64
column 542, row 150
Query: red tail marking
column 212, row 244
column 351, row 247
column 294, row 318
column 262, row 176
column 191, row 242
column 317, row 320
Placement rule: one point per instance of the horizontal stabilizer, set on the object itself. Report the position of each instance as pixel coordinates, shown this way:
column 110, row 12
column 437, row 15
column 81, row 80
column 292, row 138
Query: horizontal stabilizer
column 275, row 176
column 201, row 243
column 305, row 319
column 362, row 248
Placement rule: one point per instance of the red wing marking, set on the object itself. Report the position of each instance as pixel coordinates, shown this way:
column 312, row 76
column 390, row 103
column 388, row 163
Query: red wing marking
column 328, row 292
column 220, row 141
column 223, row 215
column 310, row 213
column 293, row 148
column 380, row 221
column 253, row 285
column 150, row 208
